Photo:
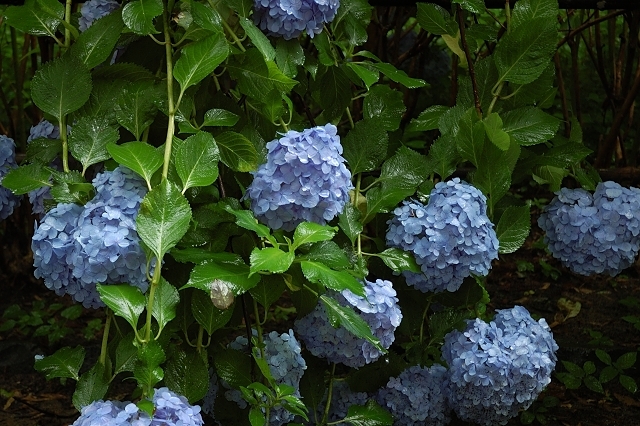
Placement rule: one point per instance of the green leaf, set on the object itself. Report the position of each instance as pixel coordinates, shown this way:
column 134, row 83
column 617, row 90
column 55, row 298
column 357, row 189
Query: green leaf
column 259, row 40
column 187, row 374
column 473, row 6
column 199, row 59
column 27, row 178
column 471, row 138
column 206, row 17
column 147, row 370
column 526, row 10
column 435, row 19
column 206, row 314
column 136, row 108
column 92, row 386
column 78, row 193
column 89, row 139
column 124, row 300
column 369, row 415
column 351, row 21
column 628, row 383
column 95, row 44
column 365, row 146
column 270, row 259
column 126, row 355
column 329, row 254
column 196, row 161
column 310, row 232
column 335, row 93
column 398, row 76
column 573, row 369
column 469, row 293
column 345, row 316
column 163, row 218
column 256, row 77
column 165, row 300
column 513, row 228
column 268, row 290
column 530, row 125
column 493, row 177
column 385, row 106
column 495, row 133
column 603, row 356
column 32, row 18
column 235, row 275
column 607, row 374
column 65, row 362
column 626, row 360
column 43, row 150
column 349, row 222
column 593, row 384
column 242, row 7
column 61, row 86
column 589, row 367
column 570, row 382
column 443, row 156
column 368, row 76
column 428, row 119
column 233, row 367
column 140, row 157
column 138, row 15
column 220, row 117
column 523, row 54
column 317, row 272
column 289, row 55
column 399, row 260
column 245, row 219
column 549, row 175
column 237, row 152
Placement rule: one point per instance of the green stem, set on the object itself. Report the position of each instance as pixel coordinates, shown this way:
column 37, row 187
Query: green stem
column 152, row 292
column 232, row 33
column 105, row 337
column 67, row 19
column 199, row 342
column 507, row 11
column 496, row 95
column 172, row 108
column 258, row 329
column 350, row 118
column 424, row 318
column 325, row 416
column 65, row 144
column 283, row 124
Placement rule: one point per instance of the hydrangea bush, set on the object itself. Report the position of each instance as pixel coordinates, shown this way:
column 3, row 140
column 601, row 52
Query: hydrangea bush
column 260, row 166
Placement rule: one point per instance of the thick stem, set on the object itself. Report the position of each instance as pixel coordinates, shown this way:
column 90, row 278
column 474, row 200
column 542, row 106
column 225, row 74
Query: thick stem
column 105, row 337
column 65, row 144
column 67, row 18
column 172, row 108
column 467, row 54
column 152, row 292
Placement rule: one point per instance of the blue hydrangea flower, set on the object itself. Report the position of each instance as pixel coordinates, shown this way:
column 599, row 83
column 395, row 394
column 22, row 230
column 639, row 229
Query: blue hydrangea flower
column 451, row 237
column 342, row 397
column 379, row 309
column 208, row 402
column 95, row 9
column 304, row 179
column 174, row 409
column 8, row 201
column 286, row 364
column 289, row 18
column 112, row 413
column 77, row 247
column 417, row 397
column 594, row 234
column 499, row 368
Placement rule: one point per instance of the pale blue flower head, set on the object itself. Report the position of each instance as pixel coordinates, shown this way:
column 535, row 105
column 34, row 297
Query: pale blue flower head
column 95, row 9
column 289, row 18
column 8, row 200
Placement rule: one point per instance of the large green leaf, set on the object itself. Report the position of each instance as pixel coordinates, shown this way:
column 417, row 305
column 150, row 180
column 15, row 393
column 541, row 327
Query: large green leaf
column 524, row 53
column 335, row 93
column 428, row 119
column 385, row 106
column 165, row 300
column 368, row 76
column 493, row 176
column 526, row 10
column 399, row 260
column 471, row 138
column 493, row 127
column 96, row 43
column 140, row 157
column 27, row 178
column 444, row 156
column 289, row 55
column 89, row 139
column 163, row 218
column 351, row 21
column 207, row 314
column 43, row 150
column 369, row 415
column 35, row 19
column 206, row 17
column 435, row 19
column 65, row 362
column 237, row 152
column 234, row 275
column 345, row 316
column 317, row 272
column 196, row 161
column 136, row 109
column 310, row 232
column 233, row 367
column 473, row 6
column 124, row 300
column 329, row 254
column 187, row 374
column 199, row 59
column 220, row 117
column 397, row 75
column 92, row 386
column 365, row 146
column 147, row 371
column 268, row 290
column 270, row 259
column 513, row 228
column 259, row 40
column 138, row 15
column 61, row 86
column 530, row 125
column 256, row 77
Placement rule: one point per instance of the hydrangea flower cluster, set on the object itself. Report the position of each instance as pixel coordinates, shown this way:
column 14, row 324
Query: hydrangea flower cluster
column 77, row 247
column 286, row 364
column 304, row 179
column 289, row 18
column 497, row 369
column 594, row 234
column 170, row 409
column 95, row 9
column 8, row 201
column 342, row 397
column 37, row 197
column 451, row 237
column 209, row 400
column 379, row 309
column 417, row 396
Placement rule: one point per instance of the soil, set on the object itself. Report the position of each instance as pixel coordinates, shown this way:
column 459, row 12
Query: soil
column 27, row 398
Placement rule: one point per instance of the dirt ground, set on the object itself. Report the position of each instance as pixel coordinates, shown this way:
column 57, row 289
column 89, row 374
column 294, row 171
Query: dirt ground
column 27, row 398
